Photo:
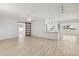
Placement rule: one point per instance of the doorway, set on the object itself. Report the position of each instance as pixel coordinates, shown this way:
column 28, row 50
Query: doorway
column 69, row 31
column 21, row 30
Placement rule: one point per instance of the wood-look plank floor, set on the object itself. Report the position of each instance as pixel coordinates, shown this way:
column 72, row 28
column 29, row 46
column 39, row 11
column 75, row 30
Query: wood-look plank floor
column 31, row 46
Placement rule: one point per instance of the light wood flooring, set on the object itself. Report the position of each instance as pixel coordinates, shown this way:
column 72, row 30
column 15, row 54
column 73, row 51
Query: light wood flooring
column 32, row 46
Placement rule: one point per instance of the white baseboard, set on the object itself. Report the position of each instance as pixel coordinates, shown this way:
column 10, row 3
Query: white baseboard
column 4, row 38
column 45, row 38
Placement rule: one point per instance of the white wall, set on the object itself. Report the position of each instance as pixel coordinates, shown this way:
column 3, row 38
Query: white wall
column 38, row 29
column 8, row 28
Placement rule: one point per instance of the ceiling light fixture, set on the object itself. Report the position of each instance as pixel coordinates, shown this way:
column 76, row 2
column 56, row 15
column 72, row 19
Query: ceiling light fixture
column 29, row 18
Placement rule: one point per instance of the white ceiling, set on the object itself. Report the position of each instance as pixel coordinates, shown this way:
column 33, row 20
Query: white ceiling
column 39, row 10
column 29, row 8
